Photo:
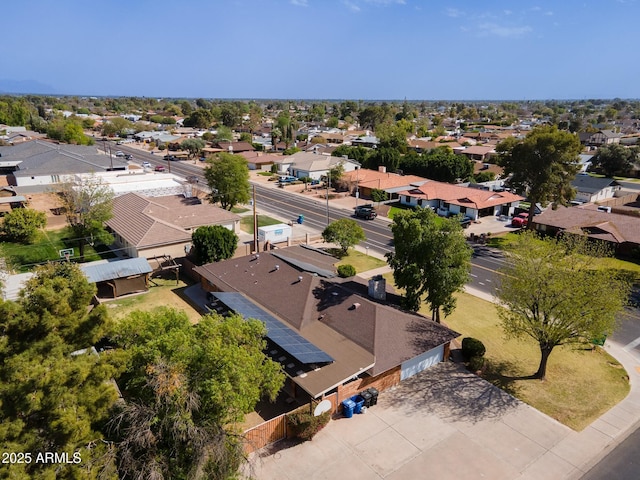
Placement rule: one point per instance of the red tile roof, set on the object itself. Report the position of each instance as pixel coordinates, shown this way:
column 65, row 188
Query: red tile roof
column 463, row 196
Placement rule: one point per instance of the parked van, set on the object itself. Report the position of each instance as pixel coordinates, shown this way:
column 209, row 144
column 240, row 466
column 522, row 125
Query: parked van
column 286, row 179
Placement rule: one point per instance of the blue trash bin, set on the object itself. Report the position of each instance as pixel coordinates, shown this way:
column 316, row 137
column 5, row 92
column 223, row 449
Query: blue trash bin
column 300, row 219
column 359, row 403
column 348, row 406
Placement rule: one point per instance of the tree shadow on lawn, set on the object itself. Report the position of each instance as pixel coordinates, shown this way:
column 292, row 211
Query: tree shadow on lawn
column 452, row 393
column 493, row 373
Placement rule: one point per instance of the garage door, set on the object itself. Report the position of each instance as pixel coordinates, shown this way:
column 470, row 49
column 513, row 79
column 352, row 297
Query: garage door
column 421, row 362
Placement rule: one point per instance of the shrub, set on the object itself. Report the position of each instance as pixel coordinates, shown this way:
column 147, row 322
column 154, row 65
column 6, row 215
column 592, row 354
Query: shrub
column 304, row 425
column 472, row 347
column 345, row 271
column 476, row 363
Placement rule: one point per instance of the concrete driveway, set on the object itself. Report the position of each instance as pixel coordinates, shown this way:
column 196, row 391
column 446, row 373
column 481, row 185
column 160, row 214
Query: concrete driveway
column 444, row 423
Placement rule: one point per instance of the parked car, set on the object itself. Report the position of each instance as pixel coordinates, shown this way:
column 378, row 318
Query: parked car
column 465, row 222
column 520, row 220
column 365, row 211
column 159, row 168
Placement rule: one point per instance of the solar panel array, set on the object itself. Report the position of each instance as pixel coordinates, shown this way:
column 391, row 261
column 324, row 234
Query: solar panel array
column 295, row 345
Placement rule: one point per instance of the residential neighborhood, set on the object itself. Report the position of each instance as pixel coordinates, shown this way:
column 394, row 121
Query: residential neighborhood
column 175, row 232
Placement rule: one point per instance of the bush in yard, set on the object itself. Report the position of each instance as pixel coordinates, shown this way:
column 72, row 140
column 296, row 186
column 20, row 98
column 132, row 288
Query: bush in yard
column 305, row 425
column 472, row 347
column 476, row 363
column 345, row 271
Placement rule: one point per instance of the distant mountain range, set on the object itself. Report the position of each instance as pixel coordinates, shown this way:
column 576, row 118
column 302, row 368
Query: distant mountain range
column 25, row 86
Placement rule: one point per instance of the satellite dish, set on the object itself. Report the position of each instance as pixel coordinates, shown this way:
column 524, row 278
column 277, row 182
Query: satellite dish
column 323, row 406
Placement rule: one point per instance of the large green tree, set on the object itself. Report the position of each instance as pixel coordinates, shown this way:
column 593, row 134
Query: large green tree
column 345, row 232
column 615, row 159
column 228, row 178
column 88, row 204
column 213, row 243
column 431, row 260
column 542, row 165
column 551, row 292
column 194, row 146
column 187, row 386
column 53, row 396
column 22, row 224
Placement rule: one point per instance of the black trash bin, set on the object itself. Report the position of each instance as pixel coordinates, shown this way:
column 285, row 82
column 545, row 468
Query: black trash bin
column 374, row 395
column 367, row 397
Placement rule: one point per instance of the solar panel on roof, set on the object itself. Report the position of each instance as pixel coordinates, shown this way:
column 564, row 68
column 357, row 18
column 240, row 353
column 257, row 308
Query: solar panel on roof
column 294, row 344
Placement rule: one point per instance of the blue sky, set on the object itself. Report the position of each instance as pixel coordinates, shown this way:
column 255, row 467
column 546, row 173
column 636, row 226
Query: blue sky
column 314, row 49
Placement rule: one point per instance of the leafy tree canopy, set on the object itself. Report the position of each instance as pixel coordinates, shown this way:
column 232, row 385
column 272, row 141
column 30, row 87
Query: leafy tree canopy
column 542, row 165
column 611, row 160
column 346, row 232
column 213, row 243
column 228, row 179
column 431, row 260
column 22, row 224
column 51, row 400
column 88, row 203
column 551, row 293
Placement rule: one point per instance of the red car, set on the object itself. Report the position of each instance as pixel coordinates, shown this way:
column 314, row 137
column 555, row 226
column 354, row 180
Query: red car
column 159, row 168
column 520, row 220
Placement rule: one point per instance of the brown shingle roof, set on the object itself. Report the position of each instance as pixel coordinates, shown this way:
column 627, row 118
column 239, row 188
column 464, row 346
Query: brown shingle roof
column 351, row 328
column 145, row 222
column 605, row 226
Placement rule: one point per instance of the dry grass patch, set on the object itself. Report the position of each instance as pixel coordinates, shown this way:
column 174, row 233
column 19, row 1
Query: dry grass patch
column 166, row 294
column 581, row 384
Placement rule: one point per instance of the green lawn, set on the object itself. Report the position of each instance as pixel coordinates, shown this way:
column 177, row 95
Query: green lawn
column 162, row 293
column 360, row 261
column 46, row 247
column 631, row 268
column 239, row 210
column 581, row 384
column 265, row 174
column 246, row 223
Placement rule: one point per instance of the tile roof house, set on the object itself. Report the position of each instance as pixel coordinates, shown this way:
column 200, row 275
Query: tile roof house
column 41, row 163
column 593, row 189
column 447, row 199
column 601, row 137
column 480, row 153
column 361, row 338
column 149, row 227
column 367, row 180
column 622, row 231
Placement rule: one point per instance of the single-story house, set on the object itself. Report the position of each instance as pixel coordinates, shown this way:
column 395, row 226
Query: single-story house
column 313, row 165
column 339, row 334
column 153, row 227
column 592, row 189
column 479, row 153
column 369, row 141
column 364, row 181
column 260, row 160
column 447, row 199
column 40, row 163
column 621, row 231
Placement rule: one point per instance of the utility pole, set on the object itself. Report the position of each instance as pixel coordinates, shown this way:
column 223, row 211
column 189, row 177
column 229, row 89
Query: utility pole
column 255, row 223
column 328, row 183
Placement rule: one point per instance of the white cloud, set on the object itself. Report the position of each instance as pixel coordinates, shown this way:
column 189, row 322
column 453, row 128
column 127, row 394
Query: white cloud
column 454, row 13
column 502, row 31
column 299, row 3
column 351, row 6
column 508, row 12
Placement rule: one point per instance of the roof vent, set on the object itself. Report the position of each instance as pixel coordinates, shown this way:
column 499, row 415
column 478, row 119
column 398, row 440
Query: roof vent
column 277, row 267
column 354, row 306
column 300, row 278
